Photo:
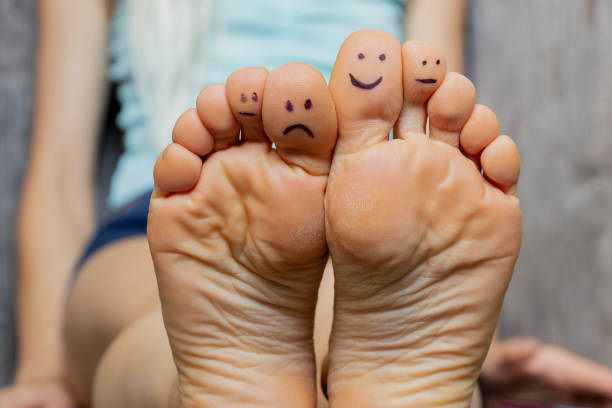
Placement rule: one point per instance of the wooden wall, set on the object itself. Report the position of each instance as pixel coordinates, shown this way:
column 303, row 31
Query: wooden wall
column 17, row 20
column 546, row 68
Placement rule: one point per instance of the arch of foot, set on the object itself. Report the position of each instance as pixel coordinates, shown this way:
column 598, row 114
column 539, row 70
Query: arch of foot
column 299, row 116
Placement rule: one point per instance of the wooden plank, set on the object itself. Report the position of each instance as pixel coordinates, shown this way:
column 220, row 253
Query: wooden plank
column 17, row 17
column 546, row 68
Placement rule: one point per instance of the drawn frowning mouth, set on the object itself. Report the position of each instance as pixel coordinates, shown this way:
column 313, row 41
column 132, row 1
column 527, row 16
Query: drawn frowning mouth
column 298, row 126
column 363, row 85
column 427, row 81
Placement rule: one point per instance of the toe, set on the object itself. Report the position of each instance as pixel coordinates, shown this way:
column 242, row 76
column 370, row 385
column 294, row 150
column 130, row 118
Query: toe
column 480, row 130
column 366, row 85
column 501, row 163
column 214, row 111
column 424, row 69
column 244, row 90
column 450, row 107
column 177, row 170
column 178, row 167
column 190, row 133
column 299, row 116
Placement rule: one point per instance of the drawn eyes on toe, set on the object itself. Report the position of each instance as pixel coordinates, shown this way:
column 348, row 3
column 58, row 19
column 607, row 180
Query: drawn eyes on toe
column 381, row 57
column 425, row 62
column 300, row 126
column 307, row 105
column 244, row 99
column 366, row 85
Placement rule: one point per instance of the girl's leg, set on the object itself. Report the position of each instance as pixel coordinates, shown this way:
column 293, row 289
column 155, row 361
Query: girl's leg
column 137, row 369
column 116, row 342
column 115, row 288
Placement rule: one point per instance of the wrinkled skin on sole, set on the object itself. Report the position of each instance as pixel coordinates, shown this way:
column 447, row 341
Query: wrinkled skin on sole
column 238, row 240
column 423, row 245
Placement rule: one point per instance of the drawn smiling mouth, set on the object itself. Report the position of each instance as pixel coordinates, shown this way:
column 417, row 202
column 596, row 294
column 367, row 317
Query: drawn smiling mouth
column 427, row 81
column 362, row 85
column 247, row 113
column 299, row 126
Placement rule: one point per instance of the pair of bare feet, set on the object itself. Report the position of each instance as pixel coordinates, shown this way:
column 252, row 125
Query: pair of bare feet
column 423, row 232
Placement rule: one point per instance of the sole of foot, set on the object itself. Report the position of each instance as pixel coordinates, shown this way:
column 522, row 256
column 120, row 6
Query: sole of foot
column 423, row 230
column 236, row 231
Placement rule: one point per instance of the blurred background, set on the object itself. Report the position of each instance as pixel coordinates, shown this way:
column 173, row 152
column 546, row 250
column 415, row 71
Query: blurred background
column 545, row 68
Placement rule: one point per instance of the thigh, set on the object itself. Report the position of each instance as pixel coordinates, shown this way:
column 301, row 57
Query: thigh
column 137, row 369
column 114, row 287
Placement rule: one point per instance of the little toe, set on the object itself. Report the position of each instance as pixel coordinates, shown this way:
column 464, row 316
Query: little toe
column 299, row 117
column 214, row 111
column 480, row 130
column 245, row 90
column 424, row 69
column 366, row 85
column 501, row 163
column 450, row 107
column 177, row 170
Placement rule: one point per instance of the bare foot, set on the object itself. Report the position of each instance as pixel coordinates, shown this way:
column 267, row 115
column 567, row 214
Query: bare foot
column 423, row 244
column 238, row 237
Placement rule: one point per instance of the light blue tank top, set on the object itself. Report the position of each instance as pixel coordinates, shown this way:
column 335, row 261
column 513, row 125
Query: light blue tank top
column 265, row 33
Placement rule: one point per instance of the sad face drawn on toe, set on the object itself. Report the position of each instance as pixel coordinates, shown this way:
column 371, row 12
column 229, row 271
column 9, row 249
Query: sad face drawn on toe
column 245, row 101
column 298, row 126
column 298, row 113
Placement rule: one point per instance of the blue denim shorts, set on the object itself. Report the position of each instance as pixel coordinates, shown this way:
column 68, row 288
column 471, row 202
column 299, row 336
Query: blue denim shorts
column 129, row 222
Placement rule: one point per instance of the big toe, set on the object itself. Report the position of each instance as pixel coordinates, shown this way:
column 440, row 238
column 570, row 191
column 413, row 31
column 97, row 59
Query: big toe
column 366, row 84
column 299, row 117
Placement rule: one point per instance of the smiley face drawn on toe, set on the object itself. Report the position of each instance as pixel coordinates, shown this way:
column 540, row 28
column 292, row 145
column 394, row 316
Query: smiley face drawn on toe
column 363, row 85
column 244, row 99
